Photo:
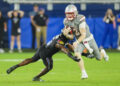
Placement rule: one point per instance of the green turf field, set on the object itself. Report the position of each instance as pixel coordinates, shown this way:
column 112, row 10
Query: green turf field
column 65, row 71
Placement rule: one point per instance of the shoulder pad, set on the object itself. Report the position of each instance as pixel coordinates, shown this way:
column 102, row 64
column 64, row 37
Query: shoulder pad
column 80, row 18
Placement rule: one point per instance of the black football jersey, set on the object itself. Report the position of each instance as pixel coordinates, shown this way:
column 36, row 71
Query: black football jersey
column 49, row 49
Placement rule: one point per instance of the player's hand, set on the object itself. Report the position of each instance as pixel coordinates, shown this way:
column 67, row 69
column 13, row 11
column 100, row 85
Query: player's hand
column 73, row 57
column 66, row 31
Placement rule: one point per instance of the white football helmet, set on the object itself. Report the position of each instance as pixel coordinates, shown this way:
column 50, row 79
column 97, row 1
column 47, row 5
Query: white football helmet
column 71, row 12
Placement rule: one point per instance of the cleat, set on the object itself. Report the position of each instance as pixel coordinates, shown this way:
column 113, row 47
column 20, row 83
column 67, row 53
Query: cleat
column 84, row 76
column 11, row 69
column 37, row 79
column 106, row 58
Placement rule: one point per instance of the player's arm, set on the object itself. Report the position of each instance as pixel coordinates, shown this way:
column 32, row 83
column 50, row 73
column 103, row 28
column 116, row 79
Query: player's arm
column 66, row 51
column 21, row 13
column 67, row 33
column 70, row 47
column 82, row 31
column 10, row 14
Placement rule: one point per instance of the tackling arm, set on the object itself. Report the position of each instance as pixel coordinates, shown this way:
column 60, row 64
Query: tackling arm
column 70, row 47
column 66, row 51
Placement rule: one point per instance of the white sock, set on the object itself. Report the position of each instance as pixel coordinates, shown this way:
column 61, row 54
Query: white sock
column 84, row 72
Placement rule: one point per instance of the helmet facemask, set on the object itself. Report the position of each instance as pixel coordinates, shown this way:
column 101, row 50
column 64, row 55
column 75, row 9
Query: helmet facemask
column 70, row 15
column 71, row 12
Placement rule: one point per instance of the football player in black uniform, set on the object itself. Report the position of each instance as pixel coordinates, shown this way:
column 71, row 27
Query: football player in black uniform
column 45, row 53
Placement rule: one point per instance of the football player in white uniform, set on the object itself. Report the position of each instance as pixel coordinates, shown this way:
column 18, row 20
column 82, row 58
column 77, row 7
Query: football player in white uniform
column 84, row 39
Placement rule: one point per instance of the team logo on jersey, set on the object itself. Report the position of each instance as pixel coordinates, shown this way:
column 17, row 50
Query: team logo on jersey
column 61, row 42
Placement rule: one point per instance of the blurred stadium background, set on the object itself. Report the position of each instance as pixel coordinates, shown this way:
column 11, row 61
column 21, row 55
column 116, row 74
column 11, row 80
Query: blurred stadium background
column 94, row 11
